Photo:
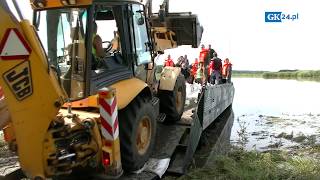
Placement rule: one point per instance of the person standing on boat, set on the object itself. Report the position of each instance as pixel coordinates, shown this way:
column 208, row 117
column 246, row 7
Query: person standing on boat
column 194, row 68
column 183, row 63
column 204, row 58
column 210, row 71
column 212, row 52
column 216, row 71
column 168, row 62
column 227, row 70
column 200, row 73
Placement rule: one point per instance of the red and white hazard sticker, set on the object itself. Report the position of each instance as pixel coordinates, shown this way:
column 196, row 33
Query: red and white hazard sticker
column 13, row 46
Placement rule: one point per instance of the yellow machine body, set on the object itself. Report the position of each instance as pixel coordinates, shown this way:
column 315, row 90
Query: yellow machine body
column 169, row 77
column 127, row 90
column 42, row 126
column 57, row 3
column 32, row 115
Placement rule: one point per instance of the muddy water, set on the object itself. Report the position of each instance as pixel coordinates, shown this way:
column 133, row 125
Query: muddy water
column 275, row 114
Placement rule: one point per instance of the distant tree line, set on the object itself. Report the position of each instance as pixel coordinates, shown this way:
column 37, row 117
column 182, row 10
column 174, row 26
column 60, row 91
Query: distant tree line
column 292, row 74
column 244, row 73
column 282, row 74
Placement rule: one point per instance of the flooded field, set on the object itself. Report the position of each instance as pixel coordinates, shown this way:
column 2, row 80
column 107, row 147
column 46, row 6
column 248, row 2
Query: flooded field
column 274, row 133
column 272, row 114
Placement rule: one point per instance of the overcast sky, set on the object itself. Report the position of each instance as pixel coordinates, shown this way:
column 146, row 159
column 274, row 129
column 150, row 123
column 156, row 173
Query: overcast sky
column 237, row 29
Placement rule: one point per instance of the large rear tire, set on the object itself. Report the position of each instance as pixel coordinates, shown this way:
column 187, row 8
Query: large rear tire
column 137, row 125
column 172, row 102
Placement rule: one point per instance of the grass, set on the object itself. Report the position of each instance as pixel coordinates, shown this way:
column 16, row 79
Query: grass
column 240, row 164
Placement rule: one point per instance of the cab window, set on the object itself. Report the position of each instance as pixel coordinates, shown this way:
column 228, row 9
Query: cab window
column 141, row 35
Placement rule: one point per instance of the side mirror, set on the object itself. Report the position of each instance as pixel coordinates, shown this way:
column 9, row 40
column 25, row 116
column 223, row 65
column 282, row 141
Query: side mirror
column 140, row 19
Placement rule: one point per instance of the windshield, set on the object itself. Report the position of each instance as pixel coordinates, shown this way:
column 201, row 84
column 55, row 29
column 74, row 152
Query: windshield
column 62, row 33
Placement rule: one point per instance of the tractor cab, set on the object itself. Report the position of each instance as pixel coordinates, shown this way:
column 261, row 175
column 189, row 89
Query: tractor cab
column 94, row 44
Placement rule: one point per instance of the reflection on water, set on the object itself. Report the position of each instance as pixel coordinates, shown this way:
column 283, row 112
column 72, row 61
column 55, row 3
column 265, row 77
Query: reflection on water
column 275, row 97
column 274, row 113
column 316, row 79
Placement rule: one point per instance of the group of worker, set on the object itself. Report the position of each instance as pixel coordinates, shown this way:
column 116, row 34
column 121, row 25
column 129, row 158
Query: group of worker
column 207, row 68
column 182, row 62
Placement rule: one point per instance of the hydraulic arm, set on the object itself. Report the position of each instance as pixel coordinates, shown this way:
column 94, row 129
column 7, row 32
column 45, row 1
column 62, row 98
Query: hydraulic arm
column 32, row 93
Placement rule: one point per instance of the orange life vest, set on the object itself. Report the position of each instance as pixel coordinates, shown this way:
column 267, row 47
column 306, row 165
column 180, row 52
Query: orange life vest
column 225, row 69
column 210, row 69
column 194, row 68
column 203, row 54
column 169, row 62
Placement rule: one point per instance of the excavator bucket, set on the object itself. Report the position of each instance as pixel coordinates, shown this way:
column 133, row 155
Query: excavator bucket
column 185, row 27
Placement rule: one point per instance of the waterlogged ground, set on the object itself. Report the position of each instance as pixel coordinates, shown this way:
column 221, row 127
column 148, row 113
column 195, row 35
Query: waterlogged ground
column 259, row 132
column 275, row 134
column 276, row 114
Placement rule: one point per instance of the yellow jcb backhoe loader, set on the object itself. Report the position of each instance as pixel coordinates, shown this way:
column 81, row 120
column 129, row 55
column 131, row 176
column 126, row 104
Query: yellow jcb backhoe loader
column 73, row 110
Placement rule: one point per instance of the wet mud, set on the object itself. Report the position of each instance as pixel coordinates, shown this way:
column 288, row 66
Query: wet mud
column 285, row 132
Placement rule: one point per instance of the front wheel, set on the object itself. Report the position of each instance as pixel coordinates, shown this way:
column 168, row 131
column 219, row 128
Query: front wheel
column 172, row 102
column 137, row 125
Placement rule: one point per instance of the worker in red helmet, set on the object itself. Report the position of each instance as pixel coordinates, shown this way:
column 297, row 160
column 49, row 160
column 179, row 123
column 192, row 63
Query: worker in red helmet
column 168, row 62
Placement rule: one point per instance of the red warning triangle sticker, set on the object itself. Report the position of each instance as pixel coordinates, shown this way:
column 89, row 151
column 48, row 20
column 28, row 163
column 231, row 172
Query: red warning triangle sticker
column 13, row 46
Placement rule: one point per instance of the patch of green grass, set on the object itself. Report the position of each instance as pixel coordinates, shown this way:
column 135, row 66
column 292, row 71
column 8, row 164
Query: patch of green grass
column 240, row 164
